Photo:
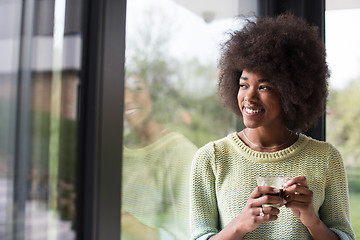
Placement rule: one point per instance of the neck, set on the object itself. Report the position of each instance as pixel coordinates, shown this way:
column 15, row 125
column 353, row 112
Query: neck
column 147, row 133
column 267, row 141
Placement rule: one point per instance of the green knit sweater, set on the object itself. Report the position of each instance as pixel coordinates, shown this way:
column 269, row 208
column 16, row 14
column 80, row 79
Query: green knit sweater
column 223, row 177
column 155, row 187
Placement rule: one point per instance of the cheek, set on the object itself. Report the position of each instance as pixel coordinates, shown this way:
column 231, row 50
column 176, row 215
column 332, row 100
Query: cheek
column 240, row 96
column 146, row 102
column 239, row 99
column 277, row 107
column 274, row 100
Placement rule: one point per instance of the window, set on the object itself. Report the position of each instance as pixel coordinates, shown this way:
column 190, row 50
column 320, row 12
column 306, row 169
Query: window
column 39, row 77
column 343, row 115
column 171, row 110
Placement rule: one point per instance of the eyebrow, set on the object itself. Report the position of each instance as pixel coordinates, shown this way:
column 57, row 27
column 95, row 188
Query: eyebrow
column 261, row 80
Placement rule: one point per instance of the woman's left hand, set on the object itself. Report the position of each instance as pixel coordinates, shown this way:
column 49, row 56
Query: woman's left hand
column 300, row 200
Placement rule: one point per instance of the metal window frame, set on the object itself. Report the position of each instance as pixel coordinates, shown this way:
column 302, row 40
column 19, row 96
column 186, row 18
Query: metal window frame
column 101, row 120
column 314, row 13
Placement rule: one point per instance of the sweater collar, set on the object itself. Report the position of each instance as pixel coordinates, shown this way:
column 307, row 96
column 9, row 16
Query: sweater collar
column 268, row 156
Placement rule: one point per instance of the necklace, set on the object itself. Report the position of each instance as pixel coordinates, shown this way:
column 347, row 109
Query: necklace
column 278, row 146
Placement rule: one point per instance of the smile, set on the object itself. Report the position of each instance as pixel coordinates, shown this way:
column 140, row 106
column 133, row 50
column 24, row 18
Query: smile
column 130, row 111
column 251, row 111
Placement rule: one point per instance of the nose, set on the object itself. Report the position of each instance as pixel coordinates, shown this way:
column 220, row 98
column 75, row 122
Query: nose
column 128, row 95
column 251, row 94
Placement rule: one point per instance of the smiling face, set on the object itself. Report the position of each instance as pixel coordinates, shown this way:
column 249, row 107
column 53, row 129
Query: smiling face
column 259, row 102
column 137, row 101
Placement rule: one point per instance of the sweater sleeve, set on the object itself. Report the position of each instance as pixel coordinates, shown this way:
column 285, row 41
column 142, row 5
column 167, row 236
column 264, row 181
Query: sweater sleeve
column 178, row 157
column 203, row 204
column 335, row 212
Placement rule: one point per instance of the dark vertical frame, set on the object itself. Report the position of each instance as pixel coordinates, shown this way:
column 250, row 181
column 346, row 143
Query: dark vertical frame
column 101, row 120
column 22, row 121
column 314, row 12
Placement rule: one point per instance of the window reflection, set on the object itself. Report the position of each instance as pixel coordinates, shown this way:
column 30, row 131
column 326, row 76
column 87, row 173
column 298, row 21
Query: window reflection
column 171, row 109
column 39, row 79
column 156, row 165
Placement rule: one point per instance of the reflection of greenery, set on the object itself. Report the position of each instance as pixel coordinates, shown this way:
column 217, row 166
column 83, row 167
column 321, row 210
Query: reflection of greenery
column 7, row 130
column 207, row 120
column 67, row 168
column 183, row 91
column 39, row 154
column 186, row 102
column 39, row 166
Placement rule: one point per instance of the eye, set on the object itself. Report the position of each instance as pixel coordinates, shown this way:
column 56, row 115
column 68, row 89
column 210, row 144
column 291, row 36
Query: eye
column 242, row 85
column 265, row 88
column 138, row 88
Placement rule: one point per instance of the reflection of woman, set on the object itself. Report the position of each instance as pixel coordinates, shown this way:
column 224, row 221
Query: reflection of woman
column 156, row 172
column 273, row 74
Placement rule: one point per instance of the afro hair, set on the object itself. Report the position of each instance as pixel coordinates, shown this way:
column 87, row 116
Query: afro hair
column 287, row 50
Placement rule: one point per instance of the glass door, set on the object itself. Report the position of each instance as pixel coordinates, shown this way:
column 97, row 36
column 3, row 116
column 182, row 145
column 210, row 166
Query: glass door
column 39, row 79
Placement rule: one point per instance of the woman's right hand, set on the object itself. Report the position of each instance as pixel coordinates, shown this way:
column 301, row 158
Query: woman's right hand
column 249, row 219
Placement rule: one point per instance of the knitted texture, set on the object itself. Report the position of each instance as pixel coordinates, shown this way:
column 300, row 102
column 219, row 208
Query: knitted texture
column 224, row 175
column 156, row 184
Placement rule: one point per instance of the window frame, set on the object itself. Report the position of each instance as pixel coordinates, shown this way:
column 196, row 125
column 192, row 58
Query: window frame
column 101, row 120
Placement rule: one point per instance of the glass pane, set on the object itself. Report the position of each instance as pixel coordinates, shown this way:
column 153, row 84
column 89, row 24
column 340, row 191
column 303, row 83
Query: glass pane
column 343, row 112
column 10, row 23
column 38, row 172
column 171, row 109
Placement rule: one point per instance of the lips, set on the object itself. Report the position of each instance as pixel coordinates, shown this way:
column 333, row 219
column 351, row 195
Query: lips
column 252, row 111
column 130, row 111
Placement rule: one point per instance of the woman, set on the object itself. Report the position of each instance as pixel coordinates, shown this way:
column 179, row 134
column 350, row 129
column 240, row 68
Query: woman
column 273, row 74
column 156, row 166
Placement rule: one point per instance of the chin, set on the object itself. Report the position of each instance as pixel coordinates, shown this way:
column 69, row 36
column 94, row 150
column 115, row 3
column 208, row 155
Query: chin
column 250, row 124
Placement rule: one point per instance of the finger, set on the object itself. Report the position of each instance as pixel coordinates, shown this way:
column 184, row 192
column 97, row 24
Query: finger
column 267, row 217
column 301, row 180
column 262, row 190
column 297, row 189
column 257, row 203
column 271, row 199
column 298, row 198
column 271, row 210
column 261, row 212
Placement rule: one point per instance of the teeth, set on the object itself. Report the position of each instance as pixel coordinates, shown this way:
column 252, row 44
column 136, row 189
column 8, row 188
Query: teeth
column 130, row 111
column 252, row 111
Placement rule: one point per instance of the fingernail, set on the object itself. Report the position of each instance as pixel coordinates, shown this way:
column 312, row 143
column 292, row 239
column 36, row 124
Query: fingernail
column 276, row 190
column 284, row 201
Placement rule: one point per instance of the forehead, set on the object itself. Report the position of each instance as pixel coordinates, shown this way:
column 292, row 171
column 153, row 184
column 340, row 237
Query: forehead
column 134, row 81
column 260, row 77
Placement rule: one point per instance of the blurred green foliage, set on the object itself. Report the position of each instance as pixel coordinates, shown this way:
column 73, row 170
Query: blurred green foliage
column 39, row 162
column 343, row 122
column 343, row 130
column 355, row 213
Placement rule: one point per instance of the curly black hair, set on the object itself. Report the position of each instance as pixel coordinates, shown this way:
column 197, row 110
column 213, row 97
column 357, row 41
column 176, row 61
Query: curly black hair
column 287, row 50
